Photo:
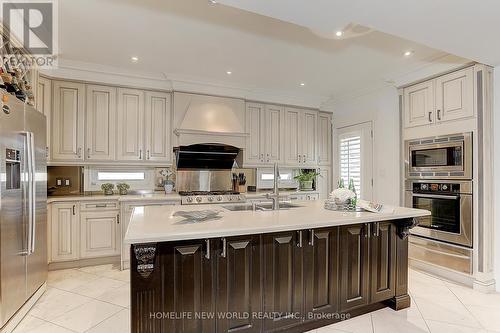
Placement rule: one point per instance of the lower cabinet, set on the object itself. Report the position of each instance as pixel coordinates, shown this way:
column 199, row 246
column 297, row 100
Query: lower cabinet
column 286, row 281
column 367, row 264
column 99, row 234
column 64, row 231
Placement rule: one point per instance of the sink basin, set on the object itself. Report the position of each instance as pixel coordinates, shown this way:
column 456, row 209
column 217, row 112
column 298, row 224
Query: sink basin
column 259, row 206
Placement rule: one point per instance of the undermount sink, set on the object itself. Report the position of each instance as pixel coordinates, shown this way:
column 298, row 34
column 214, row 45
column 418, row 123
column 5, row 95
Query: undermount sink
column 259, row 206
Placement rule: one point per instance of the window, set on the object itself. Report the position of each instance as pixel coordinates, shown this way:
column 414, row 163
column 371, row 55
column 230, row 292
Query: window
column 139, row 178
column 354, row 155
column 111, row 175
column 350, row 161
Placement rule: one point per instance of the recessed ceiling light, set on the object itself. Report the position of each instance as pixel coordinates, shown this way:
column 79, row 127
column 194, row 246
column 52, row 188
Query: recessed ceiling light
column 229, row 72
column 408, row 53
column 302, row 84
column 339, row 33
column 134, row 59
column 213, row 2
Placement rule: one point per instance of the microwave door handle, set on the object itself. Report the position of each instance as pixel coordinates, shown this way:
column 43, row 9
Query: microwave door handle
column 436, row 196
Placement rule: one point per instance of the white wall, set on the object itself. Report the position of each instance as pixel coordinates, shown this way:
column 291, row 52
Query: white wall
column 381, row 107
column 496, row 161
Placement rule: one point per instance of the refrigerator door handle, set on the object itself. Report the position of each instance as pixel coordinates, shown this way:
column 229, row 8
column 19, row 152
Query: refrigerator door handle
column 30, row 152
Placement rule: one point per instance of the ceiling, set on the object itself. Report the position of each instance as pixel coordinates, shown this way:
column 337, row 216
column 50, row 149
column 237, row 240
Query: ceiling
column 194, row 41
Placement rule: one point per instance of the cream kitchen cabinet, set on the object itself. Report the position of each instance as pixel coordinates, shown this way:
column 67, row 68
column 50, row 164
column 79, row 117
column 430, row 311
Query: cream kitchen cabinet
column 100, row 234
column 324, row 182
column 446, row 98
column 64, row 231
column 44, row 105
column 301, row 130
column 68, row 121
column 324, row 138
column 100, row 123
column 455, row 95
column 130, row 125
column 265, row 125
column 158, row 127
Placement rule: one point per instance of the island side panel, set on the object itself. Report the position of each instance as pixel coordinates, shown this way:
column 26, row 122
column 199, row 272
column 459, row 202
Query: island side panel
column 145, row 288
column 402, row 300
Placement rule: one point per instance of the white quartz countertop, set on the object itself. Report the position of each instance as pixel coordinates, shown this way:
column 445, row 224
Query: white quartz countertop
column 158, row 223
column 121, row 198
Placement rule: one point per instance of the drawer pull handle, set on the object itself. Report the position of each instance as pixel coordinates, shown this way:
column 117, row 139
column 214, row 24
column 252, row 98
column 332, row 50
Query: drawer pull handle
column 224, row 248
column 101, row 206
column 207, row 255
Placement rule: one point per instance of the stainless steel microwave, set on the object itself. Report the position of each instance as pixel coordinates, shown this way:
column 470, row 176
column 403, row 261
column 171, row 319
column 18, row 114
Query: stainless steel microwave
column 442, row 157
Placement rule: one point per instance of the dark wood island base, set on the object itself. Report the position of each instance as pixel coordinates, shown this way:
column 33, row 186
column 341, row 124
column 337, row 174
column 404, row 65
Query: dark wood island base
column 291, row 281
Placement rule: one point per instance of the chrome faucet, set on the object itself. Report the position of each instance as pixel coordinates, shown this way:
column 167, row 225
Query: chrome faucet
column 275, row 196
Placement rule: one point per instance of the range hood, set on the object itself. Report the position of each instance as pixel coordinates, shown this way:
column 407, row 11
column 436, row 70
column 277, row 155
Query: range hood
column 211, row 156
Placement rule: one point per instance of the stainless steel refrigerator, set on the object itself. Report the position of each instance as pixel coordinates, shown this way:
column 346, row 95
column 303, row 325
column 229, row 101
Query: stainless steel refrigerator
column 23, row 205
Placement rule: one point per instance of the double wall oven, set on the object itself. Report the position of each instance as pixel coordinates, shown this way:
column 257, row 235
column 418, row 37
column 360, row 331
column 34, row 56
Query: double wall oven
column 439, row 179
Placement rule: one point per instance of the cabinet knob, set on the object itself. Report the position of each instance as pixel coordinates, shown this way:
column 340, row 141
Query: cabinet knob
column 88, row 152
column 79, row 152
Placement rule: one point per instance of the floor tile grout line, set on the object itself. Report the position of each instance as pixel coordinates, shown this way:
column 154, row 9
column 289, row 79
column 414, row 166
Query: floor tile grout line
column 465, row 306
column 420, row 312
column 371, row 321
column 114, row 314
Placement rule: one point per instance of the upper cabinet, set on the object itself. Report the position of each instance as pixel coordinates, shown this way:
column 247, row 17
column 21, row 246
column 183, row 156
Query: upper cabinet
column 100, row 123
column 158, row 127
column 301, row 133
column 264, row 123
column 44, row 104
column 130, row 125
column 68, row 121
column 104, row 124
column 448, row 97
column 324, row 138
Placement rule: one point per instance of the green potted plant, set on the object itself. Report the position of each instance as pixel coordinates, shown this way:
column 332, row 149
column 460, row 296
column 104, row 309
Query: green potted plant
column 107, row 188
column 306, row 179
column 123, row 188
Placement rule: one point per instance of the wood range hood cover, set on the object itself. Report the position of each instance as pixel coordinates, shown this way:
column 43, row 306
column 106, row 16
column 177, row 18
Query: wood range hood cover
column 203, row 118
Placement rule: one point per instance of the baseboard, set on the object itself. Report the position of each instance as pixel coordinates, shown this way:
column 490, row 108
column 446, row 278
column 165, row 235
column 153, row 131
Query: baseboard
column 485, row 286
column 84, row 263
column 23, row 311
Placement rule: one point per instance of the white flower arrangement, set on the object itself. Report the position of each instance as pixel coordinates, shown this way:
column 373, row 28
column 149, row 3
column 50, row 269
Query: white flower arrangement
column 342, row 194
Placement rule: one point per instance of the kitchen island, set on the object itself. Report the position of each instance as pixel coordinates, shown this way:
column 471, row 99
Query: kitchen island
column 265, row 271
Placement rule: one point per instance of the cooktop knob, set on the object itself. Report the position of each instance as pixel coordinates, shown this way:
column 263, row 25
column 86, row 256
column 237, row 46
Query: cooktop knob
column 444, row 187
column 219, row 198
column 189, row 199
column 198, row 199
column 210, row 199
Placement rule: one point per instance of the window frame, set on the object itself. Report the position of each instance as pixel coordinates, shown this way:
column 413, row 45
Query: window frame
column 92, row 183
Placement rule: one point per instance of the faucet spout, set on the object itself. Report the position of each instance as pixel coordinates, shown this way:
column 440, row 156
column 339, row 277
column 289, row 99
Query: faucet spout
column 275, row 196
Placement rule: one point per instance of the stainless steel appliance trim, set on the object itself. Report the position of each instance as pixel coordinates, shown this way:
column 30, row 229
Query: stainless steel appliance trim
column 33, row 191
column 435, row 196
column 465, row 185
column 463, row 139
column 450, row 256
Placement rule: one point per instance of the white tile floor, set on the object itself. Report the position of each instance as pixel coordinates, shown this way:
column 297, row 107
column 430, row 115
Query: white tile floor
column 96, row 299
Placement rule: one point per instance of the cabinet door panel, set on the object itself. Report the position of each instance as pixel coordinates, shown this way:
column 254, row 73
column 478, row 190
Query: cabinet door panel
column 44, row 105
column 454, row 95
column 99, row 234
column 239, row 284
column 324, row 139
column 419, row 104
column 273, row 122
column 68, row 121
column 64, row 231
column 130, row 117
column 189, row 285
column 293, row 145
column 309, row 135
column 320, row 269
column 283, row 283
column 254, row 152
column 383, row 261
column 354, row 269
column 100, row 124
column 158, row 127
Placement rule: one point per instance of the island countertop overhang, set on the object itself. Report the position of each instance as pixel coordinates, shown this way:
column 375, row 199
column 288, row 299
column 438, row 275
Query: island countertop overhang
column 153, row 224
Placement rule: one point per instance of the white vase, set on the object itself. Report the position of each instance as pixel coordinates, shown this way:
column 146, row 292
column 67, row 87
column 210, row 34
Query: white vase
column 168, row 188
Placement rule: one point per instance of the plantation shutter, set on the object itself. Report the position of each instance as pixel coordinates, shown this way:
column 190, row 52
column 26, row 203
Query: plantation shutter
column 350, row 160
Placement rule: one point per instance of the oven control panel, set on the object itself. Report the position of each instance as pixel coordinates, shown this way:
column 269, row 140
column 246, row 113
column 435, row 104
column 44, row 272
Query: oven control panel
column 436, row 188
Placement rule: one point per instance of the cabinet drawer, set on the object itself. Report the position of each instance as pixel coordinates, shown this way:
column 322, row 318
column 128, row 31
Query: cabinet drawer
column 99, row 205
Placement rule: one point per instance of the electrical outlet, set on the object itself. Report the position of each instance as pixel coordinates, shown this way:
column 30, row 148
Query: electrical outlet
column 67, row 182
column 59, row 182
